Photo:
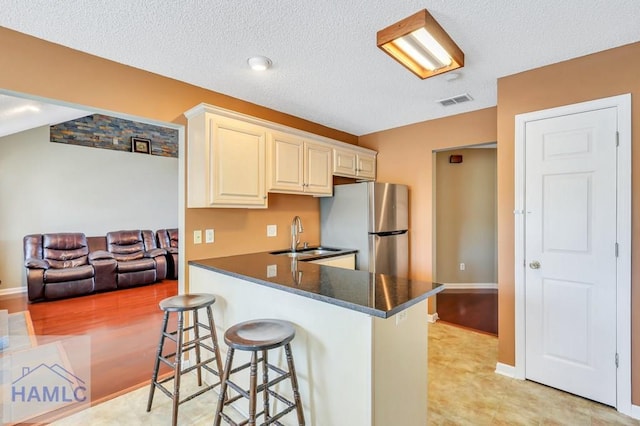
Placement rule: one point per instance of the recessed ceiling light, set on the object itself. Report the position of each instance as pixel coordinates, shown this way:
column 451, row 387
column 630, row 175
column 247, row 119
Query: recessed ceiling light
column 259, row 63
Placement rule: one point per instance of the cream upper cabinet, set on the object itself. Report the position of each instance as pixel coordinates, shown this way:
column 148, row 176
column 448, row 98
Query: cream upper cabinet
column 285, row 158
column 299, row 166
column 234, row 160
column 318, row 176
column 354, row 163
column 225, row 162
column 366, row 166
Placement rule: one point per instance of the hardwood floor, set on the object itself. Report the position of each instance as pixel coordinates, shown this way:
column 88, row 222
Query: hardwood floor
column 124, row 326
column 473, row 309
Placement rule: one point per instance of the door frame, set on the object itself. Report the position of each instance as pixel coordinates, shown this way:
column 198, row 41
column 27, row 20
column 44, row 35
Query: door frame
column 623, row 217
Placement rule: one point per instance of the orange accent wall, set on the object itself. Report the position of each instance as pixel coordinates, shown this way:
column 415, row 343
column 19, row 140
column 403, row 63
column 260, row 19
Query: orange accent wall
column 608, row 73
column 405, row 155
column 40, row 68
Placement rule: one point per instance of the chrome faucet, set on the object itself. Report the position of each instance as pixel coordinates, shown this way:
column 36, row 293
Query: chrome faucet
column 296, row 230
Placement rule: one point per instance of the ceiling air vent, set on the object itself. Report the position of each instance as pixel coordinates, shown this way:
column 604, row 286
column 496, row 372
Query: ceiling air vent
column 458, row 99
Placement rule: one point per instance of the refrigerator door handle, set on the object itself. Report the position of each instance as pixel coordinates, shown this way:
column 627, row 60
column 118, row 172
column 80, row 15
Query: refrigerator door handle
column 387, row 233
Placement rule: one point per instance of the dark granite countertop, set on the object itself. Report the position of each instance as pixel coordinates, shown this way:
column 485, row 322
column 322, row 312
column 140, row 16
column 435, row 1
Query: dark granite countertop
column 374, row 294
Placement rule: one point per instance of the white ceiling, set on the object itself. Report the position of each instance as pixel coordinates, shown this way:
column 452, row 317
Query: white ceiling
column 19, row 114
column 327, row 67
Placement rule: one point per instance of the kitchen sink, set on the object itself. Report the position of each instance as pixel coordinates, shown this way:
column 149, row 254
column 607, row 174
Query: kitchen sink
column 307, row 252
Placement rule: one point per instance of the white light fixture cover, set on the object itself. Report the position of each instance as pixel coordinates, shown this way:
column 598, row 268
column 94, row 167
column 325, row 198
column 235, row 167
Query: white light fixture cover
column 259, row 63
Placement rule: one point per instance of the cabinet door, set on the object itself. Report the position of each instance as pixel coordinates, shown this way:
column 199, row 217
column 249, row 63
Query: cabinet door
column 348, row 261
column 366, row 166
column 344, row 163
column 237, row 175
column 318, row 179
column 286, row 163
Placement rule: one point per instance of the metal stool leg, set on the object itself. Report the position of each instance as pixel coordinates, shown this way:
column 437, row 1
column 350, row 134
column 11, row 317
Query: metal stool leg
column 223, row 386
column 156, row 366
column 253, row 384
column 294, row 385
column 196, row 335
column 214, row 339
column 265, row 381
column 177, row 368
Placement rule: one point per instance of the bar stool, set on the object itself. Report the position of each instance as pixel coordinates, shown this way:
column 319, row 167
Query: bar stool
column 181, row 304
column 259, row 336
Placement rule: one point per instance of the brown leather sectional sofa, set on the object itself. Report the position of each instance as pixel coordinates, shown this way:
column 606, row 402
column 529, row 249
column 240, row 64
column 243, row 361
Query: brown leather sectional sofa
column 64, row 265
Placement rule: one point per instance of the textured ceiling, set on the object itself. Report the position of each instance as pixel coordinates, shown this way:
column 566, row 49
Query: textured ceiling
column 327, row 67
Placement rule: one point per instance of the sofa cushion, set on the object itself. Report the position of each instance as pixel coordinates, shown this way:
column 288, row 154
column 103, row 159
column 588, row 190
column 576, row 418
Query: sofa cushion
column 68, row 289
column 173, row 237
column 125, row 245
column 136, row 265
column 65, row 250
column 68, row 274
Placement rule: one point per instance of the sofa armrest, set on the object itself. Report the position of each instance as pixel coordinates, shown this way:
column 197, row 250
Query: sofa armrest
column 172, row 250
column 100, row 255
column 33, row 263
column 155, row 252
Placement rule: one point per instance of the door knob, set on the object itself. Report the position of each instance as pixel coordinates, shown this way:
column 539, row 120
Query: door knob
column 534, row 265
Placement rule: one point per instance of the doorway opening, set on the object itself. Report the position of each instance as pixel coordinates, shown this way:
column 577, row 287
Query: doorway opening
column 465, row 229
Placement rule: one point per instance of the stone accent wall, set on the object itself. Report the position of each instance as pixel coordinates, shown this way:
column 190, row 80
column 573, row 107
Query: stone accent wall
column 101, row 131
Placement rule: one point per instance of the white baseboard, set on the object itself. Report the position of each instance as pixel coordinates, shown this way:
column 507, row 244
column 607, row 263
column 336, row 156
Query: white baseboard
column 470, row 286
column 432, row 317
column 506, row 370
column 635, row 411
column 13, row 290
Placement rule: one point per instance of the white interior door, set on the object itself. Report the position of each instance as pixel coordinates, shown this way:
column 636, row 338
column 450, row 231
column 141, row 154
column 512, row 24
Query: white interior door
column 570, row 253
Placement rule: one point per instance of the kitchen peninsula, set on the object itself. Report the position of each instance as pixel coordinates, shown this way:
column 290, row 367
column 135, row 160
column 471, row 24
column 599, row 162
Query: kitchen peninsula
column 361, row 339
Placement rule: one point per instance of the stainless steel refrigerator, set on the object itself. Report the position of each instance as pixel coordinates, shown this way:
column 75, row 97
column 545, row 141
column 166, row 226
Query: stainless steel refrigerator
column 373, row 218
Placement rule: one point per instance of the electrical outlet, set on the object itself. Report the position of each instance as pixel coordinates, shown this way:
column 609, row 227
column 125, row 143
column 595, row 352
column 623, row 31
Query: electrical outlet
column 197, row 237
column 401, row 317
column 272, row 230
column 462, row 266
column 115, row 140
column 208, row 236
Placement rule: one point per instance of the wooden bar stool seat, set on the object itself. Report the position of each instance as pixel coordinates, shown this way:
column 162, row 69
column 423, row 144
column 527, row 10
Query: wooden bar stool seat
column 258, row 337
column 209, row 341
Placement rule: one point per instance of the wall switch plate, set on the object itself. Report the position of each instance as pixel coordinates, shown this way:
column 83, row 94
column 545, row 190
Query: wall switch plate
column 272, row 271
column 197, row 237
column 209, row 236
column 462, row 266
column 272, row 230
column 115, row 140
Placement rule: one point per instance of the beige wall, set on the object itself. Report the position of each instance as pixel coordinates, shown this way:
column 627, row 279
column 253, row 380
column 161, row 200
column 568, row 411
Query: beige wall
column 405, row 155
column 466, row 217
column 608, row 73
column 40, row 68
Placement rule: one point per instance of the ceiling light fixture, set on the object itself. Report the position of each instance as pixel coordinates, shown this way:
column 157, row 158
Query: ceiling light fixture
column 259, row 63
column 420, row 44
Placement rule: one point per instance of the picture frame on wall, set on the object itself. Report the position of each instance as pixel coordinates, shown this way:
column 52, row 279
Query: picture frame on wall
column 140, row 145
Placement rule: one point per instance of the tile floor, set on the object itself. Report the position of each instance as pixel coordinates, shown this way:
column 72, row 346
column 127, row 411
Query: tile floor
column 463, row 390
